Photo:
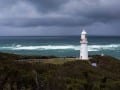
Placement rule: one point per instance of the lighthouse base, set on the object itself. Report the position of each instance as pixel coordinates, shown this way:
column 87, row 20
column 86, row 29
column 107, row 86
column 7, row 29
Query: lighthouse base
column 84, row 52
column 84, row 58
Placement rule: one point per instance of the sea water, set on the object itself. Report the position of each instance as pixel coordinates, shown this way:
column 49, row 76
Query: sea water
column 59, row 45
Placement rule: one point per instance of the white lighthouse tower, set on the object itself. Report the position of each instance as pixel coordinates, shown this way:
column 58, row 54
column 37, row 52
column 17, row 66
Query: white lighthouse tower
column 84, row 47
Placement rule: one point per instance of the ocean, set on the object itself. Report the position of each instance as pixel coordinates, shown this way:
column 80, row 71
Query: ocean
column 61, row 46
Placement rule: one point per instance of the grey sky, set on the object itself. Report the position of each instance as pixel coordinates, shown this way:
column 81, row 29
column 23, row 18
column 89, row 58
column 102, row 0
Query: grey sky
column 59, row 17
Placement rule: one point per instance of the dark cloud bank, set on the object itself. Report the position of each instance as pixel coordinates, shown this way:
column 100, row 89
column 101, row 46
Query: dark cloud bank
column 59, row 17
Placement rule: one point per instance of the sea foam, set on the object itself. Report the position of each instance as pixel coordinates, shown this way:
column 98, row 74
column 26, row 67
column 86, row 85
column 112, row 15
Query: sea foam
column 62, row 47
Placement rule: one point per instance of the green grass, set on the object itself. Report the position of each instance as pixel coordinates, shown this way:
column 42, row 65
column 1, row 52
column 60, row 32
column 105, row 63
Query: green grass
column 58, row 60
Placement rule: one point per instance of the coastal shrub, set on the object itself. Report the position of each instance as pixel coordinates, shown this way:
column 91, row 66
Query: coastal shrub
column 72, row 75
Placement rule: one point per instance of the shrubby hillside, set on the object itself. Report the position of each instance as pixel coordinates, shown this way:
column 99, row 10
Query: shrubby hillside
column 72, row 75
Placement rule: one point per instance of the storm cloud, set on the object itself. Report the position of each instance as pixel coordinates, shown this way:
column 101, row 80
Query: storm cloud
column 59, row 17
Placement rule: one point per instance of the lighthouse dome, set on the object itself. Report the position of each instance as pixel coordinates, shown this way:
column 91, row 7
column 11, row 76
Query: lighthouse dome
column 84, row 32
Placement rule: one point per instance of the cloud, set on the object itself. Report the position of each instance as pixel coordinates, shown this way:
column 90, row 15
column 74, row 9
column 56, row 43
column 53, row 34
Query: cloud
column 18, row 10
column 46, row 21
column 61, row 14
column 69, row 13
column 48, row 5
column 100, row 10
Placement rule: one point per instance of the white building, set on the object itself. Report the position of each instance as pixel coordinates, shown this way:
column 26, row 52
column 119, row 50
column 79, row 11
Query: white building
column 84, row 47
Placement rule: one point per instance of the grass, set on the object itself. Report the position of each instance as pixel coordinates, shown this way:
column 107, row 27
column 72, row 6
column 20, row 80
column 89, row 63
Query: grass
column 58, row 60
column 49, row 61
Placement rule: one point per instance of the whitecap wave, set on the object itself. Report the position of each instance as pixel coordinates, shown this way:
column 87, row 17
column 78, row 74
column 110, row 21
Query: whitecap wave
column 62, row 47
column 104, row 47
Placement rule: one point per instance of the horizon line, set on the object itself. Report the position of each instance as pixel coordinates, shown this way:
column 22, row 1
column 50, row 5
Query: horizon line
column 59, row 35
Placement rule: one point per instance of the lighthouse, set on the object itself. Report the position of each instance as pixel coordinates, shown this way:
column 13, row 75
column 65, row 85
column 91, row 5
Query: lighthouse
column 84, row 47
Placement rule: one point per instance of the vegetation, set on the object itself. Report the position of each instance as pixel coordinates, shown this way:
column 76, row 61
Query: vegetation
column 70, row 75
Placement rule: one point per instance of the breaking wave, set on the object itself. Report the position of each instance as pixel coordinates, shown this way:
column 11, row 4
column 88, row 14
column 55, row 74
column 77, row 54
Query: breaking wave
column 62, row 47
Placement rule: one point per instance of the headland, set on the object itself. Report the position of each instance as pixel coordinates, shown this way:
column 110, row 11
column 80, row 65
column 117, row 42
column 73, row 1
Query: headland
column 54, row 73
